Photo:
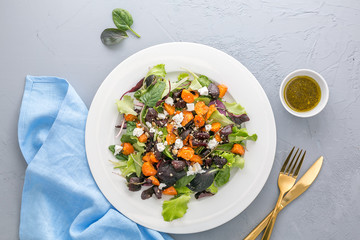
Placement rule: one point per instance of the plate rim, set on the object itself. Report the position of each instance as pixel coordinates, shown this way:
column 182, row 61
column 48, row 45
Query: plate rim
column 91, row 120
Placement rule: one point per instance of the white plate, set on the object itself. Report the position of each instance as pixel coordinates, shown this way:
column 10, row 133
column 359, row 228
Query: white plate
column 244, row 185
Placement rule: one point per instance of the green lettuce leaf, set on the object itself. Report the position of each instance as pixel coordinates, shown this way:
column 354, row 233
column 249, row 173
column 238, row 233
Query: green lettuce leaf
column 128, row 168
column 158, row 70
column 126, row 105
column 218, row 117
column 223, row 176
column 213, row 189
column 153, row 94
column 234, row 108
column 204, row 80
column 185, row 180
column 195, row 85
column 234, row 160
column 183, row 190
column 205, row 99
column 240, row 134
column 182, row 76
column 136, row 157
column 119, row 156
column 175, row 207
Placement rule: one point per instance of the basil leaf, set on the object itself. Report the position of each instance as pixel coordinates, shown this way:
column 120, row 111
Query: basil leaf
column 153, row 94
column 222, row 176
column 158, row 70
column 123, row 20
column 112, row 36
column 126, row 105
column 204, row 80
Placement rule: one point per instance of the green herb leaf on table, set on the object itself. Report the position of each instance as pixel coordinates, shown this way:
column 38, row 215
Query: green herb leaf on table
column 175, row 207
column 123, row 20
column 234, row 108
column 112, row 36
column 126, row 105
column 153, row 94
column 223, row 176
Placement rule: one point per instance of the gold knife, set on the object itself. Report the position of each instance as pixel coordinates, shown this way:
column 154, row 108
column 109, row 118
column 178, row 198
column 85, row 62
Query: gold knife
column 300, row 187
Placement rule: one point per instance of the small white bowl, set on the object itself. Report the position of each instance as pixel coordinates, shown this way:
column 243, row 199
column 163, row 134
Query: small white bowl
column 323, row 88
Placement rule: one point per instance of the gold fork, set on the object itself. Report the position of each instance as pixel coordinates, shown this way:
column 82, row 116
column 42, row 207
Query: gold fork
column 286, row 181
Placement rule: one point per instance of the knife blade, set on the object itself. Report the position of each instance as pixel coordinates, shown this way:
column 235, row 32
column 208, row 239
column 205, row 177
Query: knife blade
column 301, row 186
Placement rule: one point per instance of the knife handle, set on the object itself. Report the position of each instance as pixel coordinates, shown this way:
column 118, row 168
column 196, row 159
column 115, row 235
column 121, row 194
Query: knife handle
column 259, row 228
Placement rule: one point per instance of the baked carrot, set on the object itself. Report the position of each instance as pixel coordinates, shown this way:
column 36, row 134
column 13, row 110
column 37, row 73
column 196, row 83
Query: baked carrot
column 150, row 157
column 148, row 169
column 171, row 138
column 215, row 126
column 222, row 90
column 170, row 109
column 188, row 116
column 154, row 180
column 199, row 121
column 212, row 109
column 238, row 149
column 186, row 153
column 196, row 159
column 217, row 137
column 201, row 109
column 127, row 148
column 187, row 96
column 169, row 191
column 169, row 128
column 143, row 138
column 185, row 141
column 130, row 117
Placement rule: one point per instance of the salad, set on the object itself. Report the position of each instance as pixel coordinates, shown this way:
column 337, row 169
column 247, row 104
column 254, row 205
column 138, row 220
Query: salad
column 178, row 138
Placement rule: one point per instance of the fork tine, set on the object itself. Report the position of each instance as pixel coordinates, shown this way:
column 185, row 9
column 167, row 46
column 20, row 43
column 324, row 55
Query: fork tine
column 299, row 166
column 293, row 166
column 287, row 160
column 291, row 163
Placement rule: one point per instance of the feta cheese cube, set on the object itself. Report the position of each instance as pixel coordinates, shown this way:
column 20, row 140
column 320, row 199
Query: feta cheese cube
column 161, row 115
column 178, row 144
column 194, row 169
column 118, row 149
column 169, row 101
column 138, row 132
column 203, row 91
column 212, row 143
column 152, row 130
column 148, row 124
column 208, row 127
column 162, row 185
column 190, row 107
column 178, row 118
column 160, row 147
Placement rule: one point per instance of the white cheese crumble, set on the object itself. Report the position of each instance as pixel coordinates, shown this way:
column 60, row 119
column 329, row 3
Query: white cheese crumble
column 190, row 107
column 178, row 118
column 165, row 143
column 138, row 132
column 148, row 124
column 194, row 169
column 160, row 147
column 208, row 127
column 152, row 130
column 161, row 115
column 212, row 143
column 162, row 185
column 169, row 101
column 178, row 144
column 118, row 149
column 160, row 133
column 203, row 91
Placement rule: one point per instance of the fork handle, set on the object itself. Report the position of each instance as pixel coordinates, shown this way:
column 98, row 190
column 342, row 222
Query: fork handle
column 258, row 229
column 270, row 226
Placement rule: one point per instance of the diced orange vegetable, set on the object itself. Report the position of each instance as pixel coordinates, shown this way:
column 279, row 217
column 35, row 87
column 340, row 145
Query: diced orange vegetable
column 238, row 149
column 196, row 159
column 186, row 153
column 170, row 109
column 154, row 180
column 169, row 128
column 188, row 116
column 185, row 141
column 143, row 138
column 190, row 141
column 196, row 95
column 138, row 124
column 150, row 157
column 127, row 148
column 187, row 96
column 169, row 191
column 218, row 138
column 200, row 108
column 177, row 112
column 148, row 169
column 212, row 109
column 199, row 121
column 130, row 117
column 222, row 89
column 215, row 126
column 171, row 138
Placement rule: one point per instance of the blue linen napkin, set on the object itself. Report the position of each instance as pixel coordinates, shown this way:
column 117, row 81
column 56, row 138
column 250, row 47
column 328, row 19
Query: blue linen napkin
column 60, row 197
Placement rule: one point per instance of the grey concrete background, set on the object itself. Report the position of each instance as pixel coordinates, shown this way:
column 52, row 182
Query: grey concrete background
column 271, row 38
